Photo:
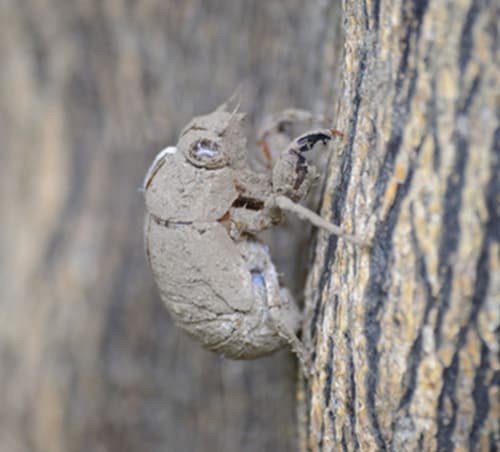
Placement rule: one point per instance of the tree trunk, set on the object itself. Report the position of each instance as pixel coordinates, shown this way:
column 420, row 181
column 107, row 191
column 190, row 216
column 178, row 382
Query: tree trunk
column 90, row 92
column 405, row 335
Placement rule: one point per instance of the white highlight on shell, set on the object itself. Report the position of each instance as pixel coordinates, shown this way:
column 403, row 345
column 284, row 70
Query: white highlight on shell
column 204, row 151
column 258, row 278
column 159, row 157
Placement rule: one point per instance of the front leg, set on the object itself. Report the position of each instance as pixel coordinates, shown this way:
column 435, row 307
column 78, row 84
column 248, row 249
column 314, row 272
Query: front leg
column 292, row 175
column 278, row 130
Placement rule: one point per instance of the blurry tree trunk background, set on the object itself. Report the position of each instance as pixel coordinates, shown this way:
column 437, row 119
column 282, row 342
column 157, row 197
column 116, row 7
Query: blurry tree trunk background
column 404, row 337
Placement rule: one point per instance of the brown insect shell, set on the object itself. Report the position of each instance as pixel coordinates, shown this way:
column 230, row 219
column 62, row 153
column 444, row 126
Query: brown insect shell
column 204, row 277
column 201, row 274
column 205, row 282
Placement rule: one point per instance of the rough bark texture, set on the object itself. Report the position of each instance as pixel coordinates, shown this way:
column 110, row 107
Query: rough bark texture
column 405, row 336
column 89, row 92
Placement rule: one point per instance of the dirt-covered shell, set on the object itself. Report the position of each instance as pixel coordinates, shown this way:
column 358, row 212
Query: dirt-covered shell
column 180, row 191
column 215, row 288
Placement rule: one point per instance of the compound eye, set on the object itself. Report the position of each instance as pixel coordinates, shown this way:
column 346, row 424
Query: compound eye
column 207, row 154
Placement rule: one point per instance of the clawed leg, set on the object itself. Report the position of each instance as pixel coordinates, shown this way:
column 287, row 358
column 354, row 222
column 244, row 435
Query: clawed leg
column 277, row 131
column 292, row 175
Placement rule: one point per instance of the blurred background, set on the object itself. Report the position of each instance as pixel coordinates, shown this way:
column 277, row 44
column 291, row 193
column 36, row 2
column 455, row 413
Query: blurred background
column 90, row 91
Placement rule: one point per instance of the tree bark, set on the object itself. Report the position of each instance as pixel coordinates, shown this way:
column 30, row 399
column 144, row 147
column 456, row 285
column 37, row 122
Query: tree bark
column 405, row 335
column 90, row 92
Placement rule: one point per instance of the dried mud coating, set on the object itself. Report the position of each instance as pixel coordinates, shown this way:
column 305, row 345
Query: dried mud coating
column 218, row 290
column 218, row 282
column 204, row 206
